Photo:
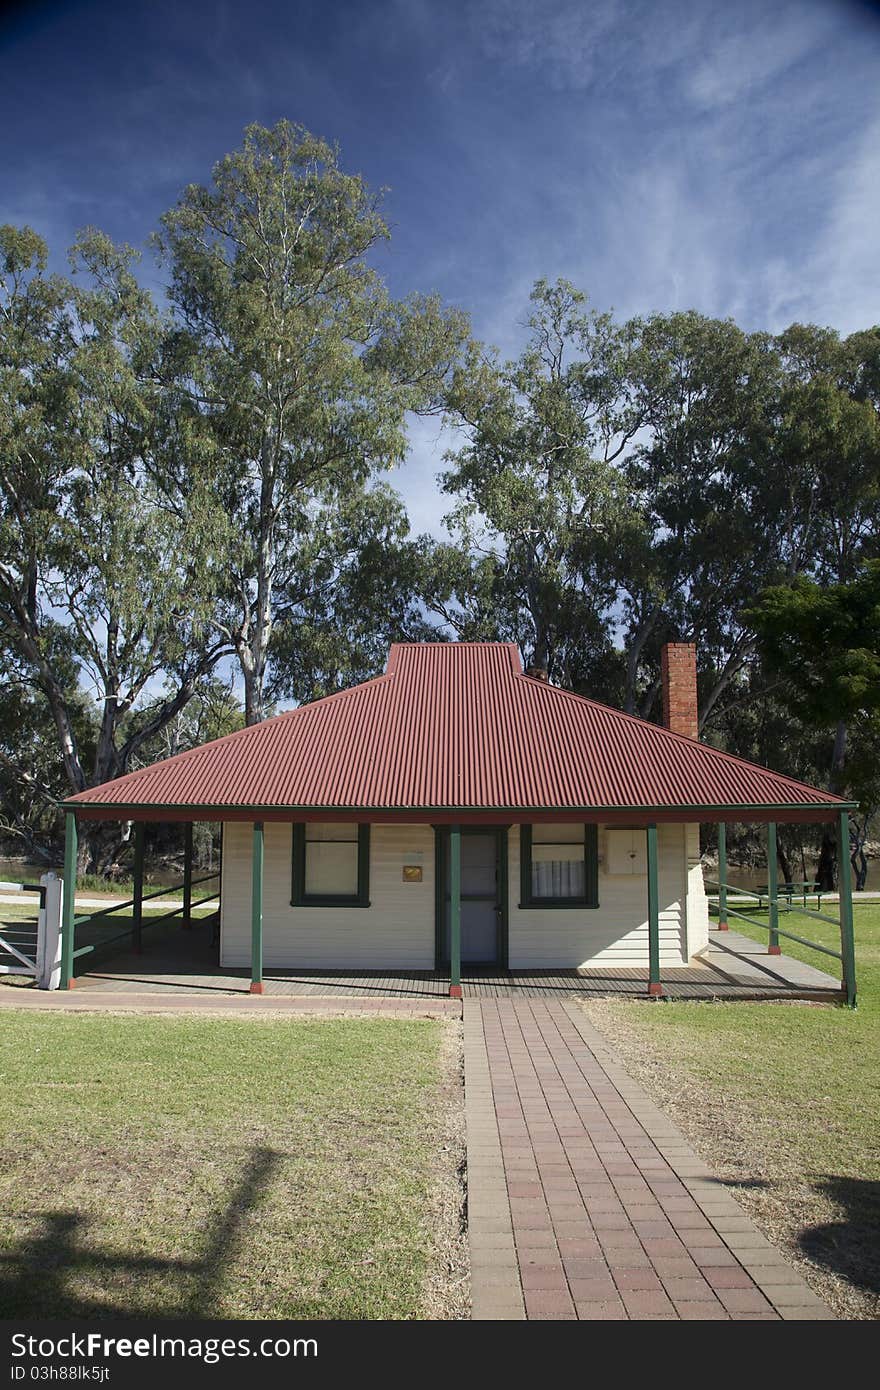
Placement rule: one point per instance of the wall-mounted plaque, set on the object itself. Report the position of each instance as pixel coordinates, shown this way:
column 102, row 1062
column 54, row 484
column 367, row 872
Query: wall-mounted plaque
column 412, row 873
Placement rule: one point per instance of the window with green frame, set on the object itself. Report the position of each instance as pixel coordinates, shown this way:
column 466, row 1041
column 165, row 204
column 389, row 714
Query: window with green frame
column 559, row 865
column 331, row 865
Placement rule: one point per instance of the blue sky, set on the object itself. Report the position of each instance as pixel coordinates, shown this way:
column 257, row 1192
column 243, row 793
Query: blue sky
column 685, row 154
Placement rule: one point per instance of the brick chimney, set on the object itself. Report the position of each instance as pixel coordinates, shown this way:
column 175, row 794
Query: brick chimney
column 678, row 670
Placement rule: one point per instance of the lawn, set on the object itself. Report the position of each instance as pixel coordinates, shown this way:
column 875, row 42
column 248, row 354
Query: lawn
column 245, row 1168
column 784, row 1101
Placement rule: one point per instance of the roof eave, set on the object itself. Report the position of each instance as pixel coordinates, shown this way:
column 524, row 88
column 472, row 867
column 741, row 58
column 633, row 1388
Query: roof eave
column 739, row 811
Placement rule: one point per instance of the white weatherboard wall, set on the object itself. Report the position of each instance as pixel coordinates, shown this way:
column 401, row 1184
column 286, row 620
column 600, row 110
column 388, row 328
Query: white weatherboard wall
column 697, row 903
column 395, row 932
column 616, row 932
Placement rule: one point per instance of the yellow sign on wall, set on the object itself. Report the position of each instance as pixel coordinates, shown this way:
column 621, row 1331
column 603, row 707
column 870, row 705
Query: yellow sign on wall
column 412, row 873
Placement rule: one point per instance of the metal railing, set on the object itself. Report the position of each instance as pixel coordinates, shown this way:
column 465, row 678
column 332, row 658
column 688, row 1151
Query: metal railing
column 139, row 921
column 770, row 925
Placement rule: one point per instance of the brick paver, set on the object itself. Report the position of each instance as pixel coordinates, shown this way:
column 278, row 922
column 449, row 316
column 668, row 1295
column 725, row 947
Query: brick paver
column 585, row 1201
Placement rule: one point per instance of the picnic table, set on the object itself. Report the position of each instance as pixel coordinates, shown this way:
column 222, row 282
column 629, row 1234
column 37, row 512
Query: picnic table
column 798, row 888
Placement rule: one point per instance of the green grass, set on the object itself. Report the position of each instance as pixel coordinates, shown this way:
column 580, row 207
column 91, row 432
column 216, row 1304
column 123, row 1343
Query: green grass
column 253, row 1168
column 98, row 883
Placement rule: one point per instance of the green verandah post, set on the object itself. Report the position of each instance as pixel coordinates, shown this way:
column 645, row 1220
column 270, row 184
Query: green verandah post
column 68, row 910
column 844, row 884
column 187, row 873
column 257, row 910
column 773, row 947
column 137, row 907
column 654, row 985
column 455, row 912
column 722, row 876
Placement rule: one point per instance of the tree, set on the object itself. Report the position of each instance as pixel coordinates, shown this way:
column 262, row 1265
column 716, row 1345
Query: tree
column 541, row 505
column 301, row 367
column 356, row 589
column 823, row 641
column 833, row 436
column 708, row 518
column 104, row 589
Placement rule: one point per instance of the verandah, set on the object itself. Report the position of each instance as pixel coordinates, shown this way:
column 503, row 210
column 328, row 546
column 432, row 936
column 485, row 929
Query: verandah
column 846, row 955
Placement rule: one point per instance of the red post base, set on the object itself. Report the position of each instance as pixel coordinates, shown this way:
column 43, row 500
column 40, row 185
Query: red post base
column 71, row 984
column 722, row 926
column 774, row 950
column 655, row 991
column 256, row 986
column 455, row 991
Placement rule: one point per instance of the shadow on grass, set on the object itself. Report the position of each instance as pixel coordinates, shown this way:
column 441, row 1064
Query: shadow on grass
column 851, row 1246
column 35, row 1277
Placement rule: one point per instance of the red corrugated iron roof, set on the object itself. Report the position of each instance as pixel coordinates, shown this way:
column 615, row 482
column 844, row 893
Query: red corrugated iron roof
column 454, row 726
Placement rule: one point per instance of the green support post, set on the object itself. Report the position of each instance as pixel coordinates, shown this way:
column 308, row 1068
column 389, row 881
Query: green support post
column 455, row 912
column 655, row 988
column 844, row 884
column 722, row 876
column 68, row 913
column 137, row 907
column 773, row 947
column 257, row 910
column 187, row 873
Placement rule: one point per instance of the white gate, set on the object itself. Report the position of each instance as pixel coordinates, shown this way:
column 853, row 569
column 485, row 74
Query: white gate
column 29, row 949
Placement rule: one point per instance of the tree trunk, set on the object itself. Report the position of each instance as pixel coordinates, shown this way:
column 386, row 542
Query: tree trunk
column 784, row 864
column 634, row 656
column 732, row 668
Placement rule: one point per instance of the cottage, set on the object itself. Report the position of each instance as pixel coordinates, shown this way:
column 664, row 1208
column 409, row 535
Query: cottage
column 458, row 810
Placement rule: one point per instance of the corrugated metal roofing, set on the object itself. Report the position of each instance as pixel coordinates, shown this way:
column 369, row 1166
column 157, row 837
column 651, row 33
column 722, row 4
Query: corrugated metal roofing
column 455, row 726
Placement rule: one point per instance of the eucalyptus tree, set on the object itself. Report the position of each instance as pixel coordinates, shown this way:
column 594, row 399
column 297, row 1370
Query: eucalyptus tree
column 833, row 439
column 104, row 587
column 540, row 499
column 709, row 516
column 356, row 587
column 301, row 366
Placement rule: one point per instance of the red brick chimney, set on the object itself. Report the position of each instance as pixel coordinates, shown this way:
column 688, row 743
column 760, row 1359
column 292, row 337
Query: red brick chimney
column 678, row 670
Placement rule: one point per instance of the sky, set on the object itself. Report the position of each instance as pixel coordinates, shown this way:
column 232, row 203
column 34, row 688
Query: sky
column 686, row 154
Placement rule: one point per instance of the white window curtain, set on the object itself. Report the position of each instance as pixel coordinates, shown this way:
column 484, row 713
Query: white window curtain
column 558, row 878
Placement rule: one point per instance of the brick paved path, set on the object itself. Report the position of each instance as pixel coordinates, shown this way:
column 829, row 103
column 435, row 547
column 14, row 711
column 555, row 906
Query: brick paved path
column 585, row 1201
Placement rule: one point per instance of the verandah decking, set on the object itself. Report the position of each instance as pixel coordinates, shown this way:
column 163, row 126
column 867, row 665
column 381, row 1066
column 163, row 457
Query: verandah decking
column 733, row 968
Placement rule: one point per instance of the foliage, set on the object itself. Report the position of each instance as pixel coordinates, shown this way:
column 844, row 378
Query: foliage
column 103, row 584
column 301, row 366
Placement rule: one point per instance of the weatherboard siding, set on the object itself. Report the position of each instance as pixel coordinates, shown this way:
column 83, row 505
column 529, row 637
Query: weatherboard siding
column 697, row 904
column 616, row 932
column 395, row 932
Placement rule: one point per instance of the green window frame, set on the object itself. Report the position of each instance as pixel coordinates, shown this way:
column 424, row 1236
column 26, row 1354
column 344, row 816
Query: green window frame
column 591, row 872
column 300, row 898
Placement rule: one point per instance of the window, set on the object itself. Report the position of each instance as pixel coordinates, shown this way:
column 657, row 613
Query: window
column 331, row 865
column 559, row 866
